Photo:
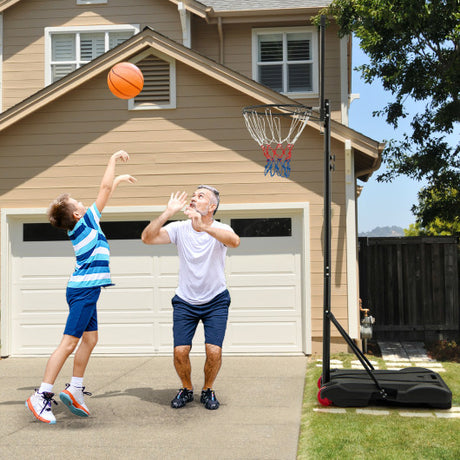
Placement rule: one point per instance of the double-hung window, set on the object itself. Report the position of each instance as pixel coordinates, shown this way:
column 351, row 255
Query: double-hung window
column 68, row 48
column 285, row 59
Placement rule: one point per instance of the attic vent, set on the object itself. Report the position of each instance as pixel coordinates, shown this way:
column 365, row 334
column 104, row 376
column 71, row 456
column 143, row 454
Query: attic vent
column 157, row 83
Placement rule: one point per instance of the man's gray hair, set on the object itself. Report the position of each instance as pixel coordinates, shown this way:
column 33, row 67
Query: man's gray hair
column 215, row 192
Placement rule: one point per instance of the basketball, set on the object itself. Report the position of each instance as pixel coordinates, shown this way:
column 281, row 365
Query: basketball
column 125, row 80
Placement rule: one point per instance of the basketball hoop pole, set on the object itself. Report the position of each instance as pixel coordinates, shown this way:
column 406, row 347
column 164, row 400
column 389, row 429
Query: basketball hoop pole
column 325, row 118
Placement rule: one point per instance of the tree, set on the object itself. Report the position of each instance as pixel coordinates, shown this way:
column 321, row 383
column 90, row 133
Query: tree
column 414, row 49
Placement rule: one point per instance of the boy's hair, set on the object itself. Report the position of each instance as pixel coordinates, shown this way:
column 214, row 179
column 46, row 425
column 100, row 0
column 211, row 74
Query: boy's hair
column 216, row 195
column 60, row 212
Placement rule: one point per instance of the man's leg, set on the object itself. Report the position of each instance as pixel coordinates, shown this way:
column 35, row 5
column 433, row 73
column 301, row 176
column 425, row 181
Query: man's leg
column 212, row 365
column 183, row 365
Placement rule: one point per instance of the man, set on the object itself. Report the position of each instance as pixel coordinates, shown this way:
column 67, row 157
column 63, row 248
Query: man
column 202, row 293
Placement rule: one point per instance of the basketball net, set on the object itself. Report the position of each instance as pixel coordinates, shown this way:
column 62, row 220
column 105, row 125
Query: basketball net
column 270, row 127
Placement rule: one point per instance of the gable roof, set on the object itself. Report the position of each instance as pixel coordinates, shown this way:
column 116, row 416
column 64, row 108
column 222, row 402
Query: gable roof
column 244, row 5
column 368, row 149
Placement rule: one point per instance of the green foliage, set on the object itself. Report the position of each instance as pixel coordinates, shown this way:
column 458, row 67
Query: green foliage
column 414, row 50
column 445, row 350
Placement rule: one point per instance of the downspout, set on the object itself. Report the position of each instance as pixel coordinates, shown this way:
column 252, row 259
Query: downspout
column 351, row 239
column 221, row 40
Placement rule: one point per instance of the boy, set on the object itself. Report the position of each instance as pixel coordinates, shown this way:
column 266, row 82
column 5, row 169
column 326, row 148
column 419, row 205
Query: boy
column 91, row 273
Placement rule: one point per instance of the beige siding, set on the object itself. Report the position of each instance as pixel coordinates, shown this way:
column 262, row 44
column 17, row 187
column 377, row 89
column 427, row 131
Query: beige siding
column 24, row 26
column 65, row 147
column 237, row 53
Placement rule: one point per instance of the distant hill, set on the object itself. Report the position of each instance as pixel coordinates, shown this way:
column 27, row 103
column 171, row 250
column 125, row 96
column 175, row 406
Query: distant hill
column 384, row 231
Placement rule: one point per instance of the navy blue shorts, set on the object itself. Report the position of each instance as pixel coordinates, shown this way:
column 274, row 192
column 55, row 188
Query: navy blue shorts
column 214, row 315
column 82, row 310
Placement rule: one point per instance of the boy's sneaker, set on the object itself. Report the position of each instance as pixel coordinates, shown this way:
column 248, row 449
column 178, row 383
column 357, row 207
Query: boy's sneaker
column 183, row 397
column 73, row 398
column 208, row 398
column 40, row 405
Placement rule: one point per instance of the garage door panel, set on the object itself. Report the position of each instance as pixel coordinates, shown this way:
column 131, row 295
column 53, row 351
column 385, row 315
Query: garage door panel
column 41, row 301
column 262, row 263
column 263, row 336
column 31, row 337
column 136, row 338
column 129, row 300
column 279, row 298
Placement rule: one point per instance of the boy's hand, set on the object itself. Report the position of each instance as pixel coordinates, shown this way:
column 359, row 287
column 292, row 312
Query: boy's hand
column 177, row 201
column 124, row 178
column 121, row 154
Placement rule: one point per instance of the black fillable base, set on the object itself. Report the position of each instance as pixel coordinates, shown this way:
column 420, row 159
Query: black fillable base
column 412, row 387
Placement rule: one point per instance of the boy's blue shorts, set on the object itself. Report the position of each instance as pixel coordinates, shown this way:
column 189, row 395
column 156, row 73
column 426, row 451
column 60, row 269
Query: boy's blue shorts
column 214, row 315
column 82, row 310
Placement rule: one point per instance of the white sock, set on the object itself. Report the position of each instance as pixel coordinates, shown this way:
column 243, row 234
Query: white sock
column 48, row 387
column 77, row 382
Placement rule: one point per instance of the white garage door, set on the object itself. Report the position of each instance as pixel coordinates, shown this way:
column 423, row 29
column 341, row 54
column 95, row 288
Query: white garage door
column 135, row 316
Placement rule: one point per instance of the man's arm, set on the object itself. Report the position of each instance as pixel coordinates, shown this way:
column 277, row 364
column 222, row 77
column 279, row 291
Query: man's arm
column 227, row 237
column 154, row 233
column 109, row 183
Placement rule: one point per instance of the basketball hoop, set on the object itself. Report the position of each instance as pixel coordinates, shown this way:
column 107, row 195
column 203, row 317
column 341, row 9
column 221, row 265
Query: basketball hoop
column 270, row 127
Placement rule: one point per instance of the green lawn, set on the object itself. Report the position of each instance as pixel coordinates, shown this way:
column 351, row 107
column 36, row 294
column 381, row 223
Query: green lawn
column 380, row 437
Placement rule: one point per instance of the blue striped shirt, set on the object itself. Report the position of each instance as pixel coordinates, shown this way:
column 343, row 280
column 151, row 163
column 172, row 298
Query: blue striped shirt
column 91, row 250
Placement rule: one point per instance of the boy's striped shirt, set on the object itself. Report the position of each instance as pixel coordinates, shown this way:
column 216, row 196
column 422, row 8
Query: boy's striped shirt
column 91, row 251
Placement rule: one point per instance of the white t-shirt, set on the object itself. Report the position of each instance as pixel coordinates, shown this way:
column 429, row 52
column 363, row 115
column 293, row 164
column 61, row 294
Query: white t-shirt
column 201, row 262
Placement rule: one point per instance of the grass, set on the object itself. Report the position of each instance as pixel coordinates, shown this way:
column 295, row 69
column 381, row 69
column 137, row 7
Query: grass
column 381, row 437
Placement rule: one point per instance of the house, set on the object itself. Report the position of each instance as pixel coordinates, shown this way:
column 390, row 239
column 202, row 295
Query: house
column 202, row 62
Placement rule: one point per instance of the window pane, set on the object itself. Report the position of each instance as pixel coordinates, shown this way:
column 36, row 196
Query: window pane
column 270, row 48
column 271, row 76
column 298, row 47
column 61, row 70
column 265, row 227
column 300, row 77
column 91, row 46
column 63, row 47
column 115, row 38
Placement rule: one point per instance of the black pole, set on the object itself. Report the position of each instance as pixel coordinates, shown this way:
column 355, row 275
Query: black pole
column 327, row 246
column 322, row 30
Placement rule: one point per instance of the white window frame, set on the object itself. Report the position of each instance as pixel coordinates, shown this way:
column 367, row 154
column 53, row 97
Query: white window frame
column 91, row 2
column 172, row 84
column 314, row 56
column 50, row 31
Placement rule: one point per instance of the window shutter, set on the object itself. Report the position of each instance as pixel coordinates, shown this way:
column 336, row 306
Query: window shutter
column 116, row 38
column 63, row 47
column 156, row 81
column 91, row 46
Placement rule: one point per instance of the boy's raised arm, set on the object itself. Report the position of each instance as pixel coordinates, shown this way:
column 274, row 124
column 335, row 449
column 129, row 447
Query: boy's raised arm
column 109, row 182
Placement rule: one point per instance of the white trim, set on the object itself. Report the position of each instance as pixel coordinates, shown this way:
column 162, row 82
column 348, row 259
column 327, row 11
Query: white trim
column 352, row 268
column 172, row 83
column 184, row 16
column 49, row 31
column 146, row 212
column 314, row 50
column 344, row 101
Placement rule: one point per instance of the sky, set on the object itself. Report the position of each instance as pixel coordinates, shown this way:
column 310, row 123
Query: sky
column 380, row 204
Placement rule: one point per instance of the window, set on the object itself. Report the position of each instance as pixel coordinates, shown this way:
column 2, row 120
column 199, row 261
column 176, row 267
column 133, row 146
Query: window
column 159, row 91
column 68, row 48
column 285, row 59
column 90, row 2
column 263, row 227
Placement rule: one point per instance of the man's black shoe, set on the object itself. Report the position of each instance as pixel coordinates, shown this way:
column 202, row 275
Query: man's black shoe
column 183, row 397
column 208, row 398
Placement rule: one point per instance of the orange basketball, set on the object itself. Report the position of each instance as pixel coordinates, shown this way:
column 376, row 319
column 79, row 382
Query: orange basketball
column 125, row 80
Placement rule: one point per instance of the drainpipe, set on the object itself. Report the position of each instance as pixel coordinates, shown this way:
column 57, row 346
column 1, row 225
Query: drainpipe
column 221, row 40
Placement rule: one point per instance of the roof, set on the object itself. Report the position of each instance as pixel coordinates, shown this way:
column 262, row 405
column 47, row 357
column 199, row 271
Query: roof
column 245, row 5
column 368, row 149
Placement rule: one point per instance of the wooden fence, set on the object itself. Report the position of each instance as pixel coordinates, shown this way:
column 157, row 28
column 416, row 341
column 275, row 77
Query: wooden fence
column 411, row 286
